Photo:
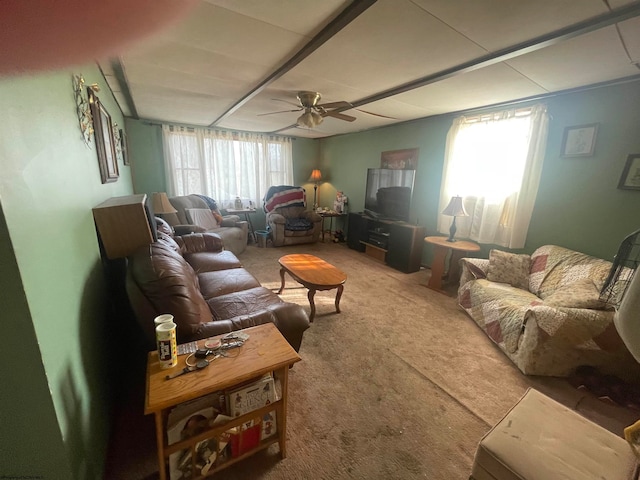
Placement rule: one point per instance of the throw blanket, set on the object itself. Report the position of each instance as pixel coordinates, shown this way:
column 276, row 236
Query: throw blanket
column 284, row 196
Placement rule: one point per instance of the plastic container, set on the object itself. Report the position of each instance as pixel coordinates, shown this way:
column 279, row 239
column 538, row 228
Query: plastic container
column 261, row 237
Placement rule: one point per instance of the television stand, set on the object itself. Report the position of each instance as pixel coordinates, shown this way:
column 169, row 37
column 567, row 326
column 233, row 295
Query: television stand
column 398, row 244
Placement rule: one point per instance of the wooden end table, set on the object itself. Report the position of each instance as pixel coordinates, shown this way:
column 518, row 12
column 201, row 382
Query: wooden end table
column 330, row 214
column 247, row 216
column 265, row 351
column 441, row 248
column 314, row 274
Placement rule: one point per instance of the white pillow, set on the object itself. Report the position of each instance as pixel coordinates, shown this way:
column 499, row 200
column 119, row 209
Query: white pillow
column 203, row 217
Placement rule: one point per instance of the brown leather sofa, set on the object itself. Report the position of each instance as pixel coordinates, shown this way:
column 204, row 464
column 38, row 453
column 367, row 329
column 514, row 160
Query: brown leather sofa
column 234, row 232
column 205, row 288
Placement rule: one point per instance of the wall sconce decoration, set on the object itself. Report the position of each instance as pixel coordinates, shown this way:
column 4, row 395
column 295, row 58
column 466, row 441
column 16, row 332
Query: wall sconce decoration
column 117, row 140
column 83, row 109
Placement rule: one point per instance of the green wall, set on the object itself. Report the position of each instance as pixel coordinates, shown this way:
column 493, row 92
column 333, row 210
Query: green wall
column 578, row 205
column 49, row 185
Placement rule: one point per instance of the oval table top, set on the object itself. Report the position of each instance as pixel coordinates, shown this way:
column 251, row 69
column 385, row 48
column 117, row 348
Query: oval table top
column 311, row 270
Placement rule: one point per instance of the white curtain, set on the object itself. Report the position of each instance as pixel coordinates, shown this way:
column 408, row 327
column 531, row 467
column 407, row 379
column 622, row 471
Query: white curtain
column 224, row 165
column 494, row 162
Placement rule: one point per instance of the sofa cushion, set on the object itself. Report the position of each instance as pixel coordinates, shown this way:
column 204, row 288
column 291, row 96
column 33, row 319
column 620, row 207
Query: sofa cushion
column 553, row 266
column 298, row 224
column 511, row 268
column 203, row 217
column 246, row 302
column 499, row 309
column 582, row 293
column 221, row 282
column 169, row 283
column 212, row 261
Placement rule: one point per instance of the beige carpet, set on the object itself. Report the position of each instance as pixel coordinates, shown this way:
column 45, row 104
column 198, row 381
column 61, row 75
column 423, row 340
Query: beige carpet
column 400, row 385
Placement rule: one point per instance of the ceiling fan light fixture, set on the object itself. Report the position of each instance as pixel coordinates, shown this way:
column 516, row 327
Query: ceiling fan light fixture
column 310, row 119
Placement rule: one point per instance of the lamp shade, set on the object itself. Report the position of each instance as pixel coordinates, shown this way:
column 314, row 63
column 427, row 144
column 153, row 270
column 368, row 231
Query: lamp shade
column 310, row 119
column 316, row 175
column 161, row 203
column 455, row 208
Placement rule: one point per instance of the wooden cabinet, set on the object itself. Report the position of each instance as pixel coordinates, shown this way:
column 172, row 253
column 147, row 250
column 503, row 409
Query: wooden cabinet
column 398, row 244
column 123, row 224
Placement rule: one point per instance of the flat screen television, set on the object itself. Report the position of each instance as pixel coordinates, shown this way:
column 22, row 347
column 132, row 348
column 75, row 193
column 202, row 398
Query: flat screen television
column 388, row 194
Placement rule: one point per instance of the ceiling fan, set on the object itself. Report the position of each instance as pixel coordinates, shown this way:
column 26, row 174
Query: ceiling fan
column 315, row 112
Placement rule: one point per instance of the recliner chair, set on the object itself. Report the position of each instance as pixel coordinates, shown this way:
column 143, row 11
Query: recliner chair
column 287, row 217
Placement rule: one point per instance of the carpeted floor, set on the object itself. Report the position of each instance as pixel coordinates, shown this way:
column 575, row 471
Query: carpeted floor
column 400, row 385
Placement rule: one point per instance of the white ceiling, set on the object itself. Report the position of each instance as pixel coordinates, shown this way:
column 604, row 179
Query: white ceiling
column 196, row 72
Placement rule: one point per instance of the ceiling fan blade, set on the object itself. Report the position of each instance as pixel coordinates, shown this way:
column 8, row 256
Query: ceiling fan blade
column 286, row 101
column 376, row 114
column 341, row 116
column 281, row 111
column 335, row 105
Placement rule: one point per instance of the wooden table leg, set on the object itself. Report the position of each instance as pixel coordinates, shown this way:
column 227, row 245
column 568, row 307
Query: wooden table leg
column 310, row 295
column 437, row 267
column 282, row 271
column 162, row 469
column 338, row 296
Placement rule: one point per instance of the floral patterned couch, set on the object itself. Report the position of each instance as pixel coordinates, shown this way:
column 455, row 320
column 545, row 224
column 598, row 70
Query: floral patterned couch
column 543, row 311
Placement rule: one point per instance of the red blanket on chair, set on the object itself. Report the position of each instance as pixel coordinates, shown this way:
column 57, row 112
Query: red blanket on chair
column 284, row 196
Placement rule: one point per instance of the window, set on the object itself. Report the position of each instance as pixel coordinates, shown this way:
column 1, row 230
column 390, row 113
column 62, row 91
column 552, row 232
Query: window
column 225, row 165
column 494, row 162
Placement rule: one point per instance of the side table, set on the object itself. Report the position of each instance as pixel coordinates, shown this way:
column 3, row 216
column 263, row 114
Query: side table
column 441, row 248
column 265, row 351
column 246, row 212
column 330, row 214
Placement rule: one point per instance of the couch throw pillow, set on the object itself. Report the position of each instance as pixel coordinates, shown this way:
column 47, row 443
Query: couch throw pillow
column 582, row 293
column 203, row 217
column 511, row 268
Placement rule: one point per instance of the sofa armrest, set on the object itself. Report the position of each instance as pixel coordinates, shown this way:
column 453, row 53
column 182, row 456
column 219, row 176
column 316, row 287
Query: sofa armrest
column 229, row 220
column 472, row 269
column 572, row 326
column 186, row 229
column 290, row 318
column 200, row 242
column 311, row 216
column 276, row 218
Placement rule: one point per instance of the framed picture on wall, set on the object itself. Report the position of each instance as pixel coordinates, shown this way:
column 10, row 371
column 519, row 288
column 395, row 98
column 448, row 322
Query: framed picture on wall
column 105, row 142
column 406, row 159
column 579, row 141
column 630, row 179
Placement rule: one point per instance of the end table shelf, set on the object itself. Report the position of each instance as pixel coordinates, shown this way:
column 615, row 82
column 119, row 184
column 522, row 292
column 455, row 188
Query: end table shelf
column 266, row 351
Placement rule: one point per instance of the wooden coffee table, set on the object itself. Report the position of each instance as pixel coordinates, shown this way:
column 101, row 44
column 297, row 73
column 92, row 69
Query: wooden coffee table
column 314, row 274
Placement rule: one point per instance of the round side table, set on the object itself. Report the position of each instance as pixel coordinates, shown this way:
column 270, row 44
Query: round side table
column 441, row 248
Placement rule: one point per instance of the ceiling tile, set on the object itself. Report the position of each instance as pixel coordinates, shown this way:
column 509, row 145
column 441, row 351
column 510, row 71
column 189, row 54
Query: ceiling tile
column 496, row 24
column 487, row 86
column 299, row 16
column 591, row 58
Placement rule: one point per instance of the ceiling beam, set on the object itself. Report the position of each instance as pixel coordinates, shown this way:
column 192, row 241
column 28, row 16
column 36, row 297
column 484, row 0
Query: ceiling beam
column 121, row 77
column 538, row 43
column 344, row 18
column 595, row 23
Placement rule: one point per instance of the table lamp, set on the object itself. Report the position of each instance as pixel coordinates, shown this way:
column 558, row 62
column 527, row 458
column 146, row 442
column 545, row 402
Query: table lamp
column 454, row 209
column 315, row 177
column 161, row 204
